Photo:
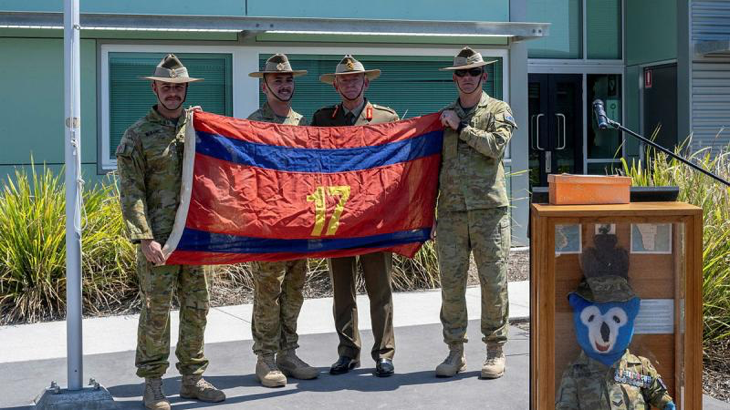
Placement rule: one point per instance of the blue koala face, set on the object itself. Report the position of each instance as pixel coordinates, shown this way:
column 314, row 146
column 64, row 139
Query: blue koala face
column 604, row 330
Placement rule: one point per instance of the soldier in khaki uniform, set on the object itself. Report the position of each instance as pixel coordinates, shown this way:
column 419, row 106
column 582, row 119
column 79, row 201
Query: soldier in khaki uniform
column 278, row 286
column 472, row 214
column 351, row 80
column 149, row 162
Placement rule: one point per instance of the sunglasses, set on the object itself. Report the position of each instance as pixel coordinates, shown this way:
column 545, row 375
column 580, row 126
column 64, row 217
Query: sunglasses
column 473, row 72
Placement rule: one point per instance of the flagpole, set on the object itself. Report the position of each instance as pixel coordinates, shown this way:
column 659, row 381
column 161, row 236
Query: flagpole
column 72, row 127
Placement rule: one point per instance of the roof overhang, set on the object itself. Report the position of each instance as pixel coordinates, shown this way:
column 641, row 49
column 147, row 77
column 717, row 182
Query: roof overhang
column 713, row 47
column 251, row 26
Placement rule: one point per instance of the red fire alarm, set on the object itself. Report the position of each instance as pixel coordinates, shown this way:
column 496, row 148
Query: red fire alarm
column 647, row 79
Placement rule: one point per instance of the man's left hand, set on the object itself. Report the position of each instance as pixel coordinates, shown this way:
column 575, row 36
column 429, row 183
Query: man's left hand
column 450, row 119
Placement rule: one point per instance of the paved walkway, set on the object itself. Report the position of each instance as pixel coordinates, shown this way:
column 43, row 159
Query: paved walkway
column 33, row 355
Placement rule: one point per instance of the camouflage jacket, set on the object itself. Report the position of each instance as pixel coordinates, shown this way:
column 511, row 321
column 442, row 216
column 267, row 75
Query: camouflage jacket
column 149, row 163
column 334, row 115
column 266, row 114
column 472, row 173
column 631, row 383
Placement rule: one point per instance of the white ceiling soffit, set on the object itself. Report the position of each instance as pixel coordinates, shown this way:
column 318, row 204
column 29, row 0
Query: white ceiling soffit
column 515, row 31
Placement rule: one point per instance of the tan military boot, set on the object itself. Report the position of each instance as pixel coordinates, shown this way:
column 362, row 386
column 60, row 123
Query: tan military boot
column 455, row 362
column 494, row 365
column 267, row 372
column 154, row 398
column 196, row 387
column 292, row 366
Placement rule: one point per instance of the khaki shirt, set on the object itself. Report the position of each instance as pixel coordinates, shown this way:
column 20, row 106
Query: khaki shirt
column 334, row 115
column 472, row 173
column 588, row 384
column 149, row 163
column 266, row 114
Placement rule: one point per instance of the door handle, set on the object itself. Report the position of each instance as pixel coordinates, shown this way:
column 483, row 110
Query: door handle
column 532, row 122
column 561, row 147
column 537, row 132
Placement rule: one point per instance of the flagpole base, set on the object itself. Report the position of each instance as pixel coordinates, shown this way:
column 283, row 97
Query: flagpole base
column 92, row 397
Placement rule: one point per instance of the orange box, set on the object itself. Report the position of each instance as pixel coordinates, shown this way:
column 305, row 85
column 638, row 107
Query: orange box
column 567, row 189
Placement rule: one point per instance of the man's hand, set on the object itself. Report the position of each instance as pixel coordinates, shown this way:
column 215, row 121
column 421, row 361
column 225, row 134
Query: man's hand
column 152, row 250
column 196, row 108
column 450, row 119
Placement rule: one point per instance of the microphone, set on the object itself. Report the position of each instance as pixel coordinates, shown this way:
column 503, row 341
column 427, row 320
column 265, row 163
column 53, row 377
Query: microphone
column 600, row 114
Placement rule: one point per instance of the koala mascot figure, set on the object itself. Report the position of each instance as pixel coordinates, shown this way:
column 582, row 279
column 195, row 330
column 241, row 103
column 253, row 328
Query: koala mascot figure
column 606, row 376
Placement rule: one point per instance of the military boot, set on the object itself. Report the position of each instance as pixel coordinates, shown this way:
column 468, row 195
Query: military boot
column 154, row 398
column 494, row 365
column 267, row 372
column 196, row 387
column 292, row 366
column 454, row 363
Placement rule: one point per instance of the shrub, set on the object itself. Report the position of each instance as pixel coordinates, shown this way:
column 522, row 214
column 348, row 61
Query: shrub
column 33, row 255
column 714, row 198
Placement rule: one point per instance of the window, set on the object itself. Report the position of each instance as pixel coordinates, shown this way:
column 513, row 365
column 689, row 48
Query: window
column 412, row 86
column 566, row 30
column 130, row 98
column 603, row 23
column 604, row 144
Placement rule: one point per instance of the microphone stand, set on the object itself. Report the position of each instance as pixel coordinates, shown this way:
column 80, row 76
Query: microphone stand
column 618, row 126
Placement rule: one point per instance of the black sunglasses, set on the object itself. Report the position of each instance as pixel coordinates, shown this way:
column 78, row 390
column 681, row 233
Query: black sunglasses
column 474, row 72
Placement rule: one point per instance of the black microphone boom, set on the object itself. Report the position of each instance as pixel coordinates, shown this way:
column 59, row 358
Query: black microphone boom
column 603, row 122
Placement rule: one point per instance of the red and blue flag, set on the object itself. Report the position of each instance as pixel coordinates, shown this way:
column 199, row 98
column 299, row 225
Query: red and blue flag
column 255, row 191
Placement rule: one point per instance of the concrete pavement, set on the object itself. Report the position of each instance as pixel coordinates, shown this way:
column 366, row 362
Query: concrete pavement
column 33, row 355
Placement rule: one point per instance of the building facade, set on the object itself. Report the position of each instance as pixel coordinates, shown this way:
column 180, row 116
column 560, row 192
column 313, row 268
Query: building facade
column 637, row 56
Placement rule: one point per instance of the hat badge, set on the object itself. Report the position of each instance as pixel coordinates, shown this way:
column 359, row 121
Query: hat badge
column 350, row 65
column 173, row 74
column 281, row 66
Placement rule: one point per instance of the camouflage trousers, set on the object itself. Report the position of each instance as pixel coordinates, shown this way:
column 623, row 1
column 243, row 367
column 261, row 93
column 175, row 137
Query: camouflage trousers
column 486, row 232
column 278, row 299
column 157, row 284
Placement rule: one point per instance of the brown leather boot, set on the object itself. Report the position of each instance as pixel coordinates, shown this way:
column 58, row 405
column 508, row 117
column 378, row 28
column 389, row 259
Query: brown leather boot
column 454, row 363
column 154, row 398
column 494, row 365
column 292, row 366
column 197, row 388
column 268, row 373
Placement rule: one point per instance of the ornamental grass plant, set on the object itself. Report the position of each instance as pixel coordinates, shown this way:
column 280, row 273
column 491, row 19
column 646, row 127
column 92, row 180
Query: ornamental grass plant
column 33, row 254
column 714, row 198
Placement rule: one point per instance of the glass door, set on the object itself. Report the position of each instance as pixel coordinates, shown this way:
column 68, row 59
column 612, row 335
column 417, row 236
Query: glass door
column 556, row 124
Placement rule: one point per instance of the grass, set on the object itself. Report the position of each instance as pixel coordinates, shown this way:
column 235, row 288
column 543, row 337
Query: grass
column 33, row 256
column 714, row 198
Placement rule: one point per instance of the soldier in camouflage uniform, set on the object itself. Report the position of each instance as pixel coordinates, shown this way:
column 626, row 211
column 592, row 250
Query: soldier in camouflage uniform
column 472, row 214
column 149, row 161
column 278, row 286
column 632, row 383
column 351, row 80
column 609, row 380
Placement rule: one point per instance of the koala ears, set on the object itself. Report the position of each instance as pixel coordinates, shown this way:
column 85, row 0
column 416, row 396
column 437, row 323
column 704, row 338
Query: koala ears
column 577, row 302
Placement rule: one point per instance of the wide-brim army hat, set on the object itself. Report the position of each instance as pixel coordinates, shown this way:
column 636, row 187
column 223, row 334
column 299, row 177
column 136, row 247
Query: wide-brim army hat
column 277, row 64
column 349, row 65
column 604, row 289
column 466, row 59
column 171, row 70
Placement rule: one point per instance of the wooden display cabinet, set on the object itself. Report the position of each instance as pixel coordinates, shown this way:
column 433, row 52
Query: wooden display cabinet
column 664, row 240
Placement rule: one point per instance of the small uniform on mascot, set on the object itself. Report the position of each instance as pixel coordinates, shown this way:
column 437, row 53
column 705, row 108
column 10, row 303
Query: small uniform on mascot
column 606, row 376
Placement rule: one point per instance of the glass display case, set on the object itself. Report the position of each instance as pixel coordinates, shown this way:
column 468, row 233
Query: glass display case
column 616, row 306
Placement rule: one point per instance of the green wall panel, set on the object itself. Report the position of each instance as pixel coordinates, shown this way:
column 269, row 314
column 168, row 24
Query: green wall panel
column 465, row 10
column 33, row 82
column 651, row 31
column 565, row 36
column 207, row 7
column 603, row 24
